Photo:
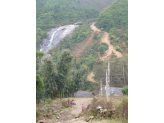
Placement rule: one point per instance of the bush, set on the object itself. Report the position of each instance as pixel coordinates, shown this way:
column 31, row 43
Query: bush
column 112, row 37
column 122, row 110
column 103, row 48
column 117, row 48
column 125, row 90
column 96, row 36
column 125, row 99
column 47, row 101
column 113, row 56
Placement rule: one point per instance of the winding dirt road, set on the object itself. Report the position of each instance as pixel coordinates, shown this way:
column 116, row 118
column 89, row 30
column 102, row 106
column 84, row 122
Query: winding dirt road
column 105, row 39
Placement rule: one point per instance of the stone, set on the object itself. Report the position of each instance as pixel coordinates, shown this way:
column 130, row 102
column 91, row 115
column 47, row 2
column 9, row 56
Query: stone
column 89, row 118
column 41, row 121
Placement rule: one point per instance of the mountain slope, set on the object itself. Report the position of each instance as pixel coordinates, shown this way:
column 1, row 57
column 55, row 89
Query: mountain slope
column 99, row 4
column 50, row 13
column 114, row 16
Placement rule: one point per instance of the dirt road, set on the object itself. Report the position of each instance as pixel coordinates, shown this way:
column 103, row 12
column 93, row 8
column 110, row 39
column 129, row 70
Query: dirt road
column 106, row 40
column 68, row 115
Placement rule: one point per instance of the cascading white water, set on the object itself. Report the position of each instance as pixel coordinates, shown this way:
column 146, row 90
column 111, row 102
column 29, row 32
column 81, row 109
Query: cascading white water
column 52, row 36
column 56, row 35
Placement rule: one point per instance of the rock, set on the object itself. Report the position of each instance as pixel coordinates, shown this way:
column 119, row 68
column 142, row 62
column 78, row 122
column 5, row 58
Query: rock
column 89, row 118
column 41, row 121
column 57, row 117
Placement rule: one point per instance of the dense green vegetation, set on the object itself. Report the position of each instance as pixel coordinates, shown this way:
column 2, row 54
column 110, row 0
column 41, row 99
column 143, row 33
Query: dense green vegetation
column 119, row 39
column 99, row 4
column 39, row 81
column 61, row 78
column 97, row 48
column 114, row 16
column 40, row 34
column 50, row 13
column 125, row 90
column 80, row 34
column 97, row 36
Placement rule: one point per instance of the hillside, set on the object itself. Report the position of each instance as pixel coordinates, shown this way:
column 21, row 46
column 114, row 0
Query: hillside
column 50, row 13
column 114, row 19
column 114, row 16
column 99, row 4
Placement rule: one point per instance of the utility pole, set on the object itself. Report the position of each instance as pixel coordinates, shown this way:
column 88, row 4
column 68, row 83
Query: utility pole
column 109, row 76
column 107, row 87
column 101, row 87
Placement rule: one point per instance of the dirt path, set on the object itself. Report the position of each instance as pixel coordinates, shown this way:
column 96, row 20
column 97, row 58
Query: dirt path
column 76, row 110
column 69, row 115
column 106, row 40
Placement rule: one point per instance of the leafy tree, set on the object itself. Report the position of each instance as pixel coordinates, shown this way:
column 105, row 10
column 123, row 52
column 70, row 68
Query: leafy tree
column 80, row 78
column 39, row 84
column 49, row 75
column 39, row 81
column 63, row 68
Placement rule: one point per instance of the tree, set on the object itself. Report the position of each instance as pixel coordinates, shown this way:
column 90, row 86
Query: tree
column 39, row 81
column 49, row 75
column 63, row 68
column 80, row 77
column 39, row 84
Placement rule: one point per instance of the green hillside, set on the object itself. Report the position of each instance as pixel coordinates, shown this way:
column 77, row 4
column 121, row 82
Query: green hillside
column 50, row 13
column 99, row 4
column 114, row 16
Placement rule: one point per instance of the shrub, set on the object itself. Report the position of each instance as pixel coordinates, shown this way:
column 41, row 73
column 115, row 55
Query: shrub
column 125, row 90
column 113, row 56
column 96, row 36
column 103, row 48
column 112, row 37
column 48, row 101
column 122, row 110
column 125, row 99
column 117, row 48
